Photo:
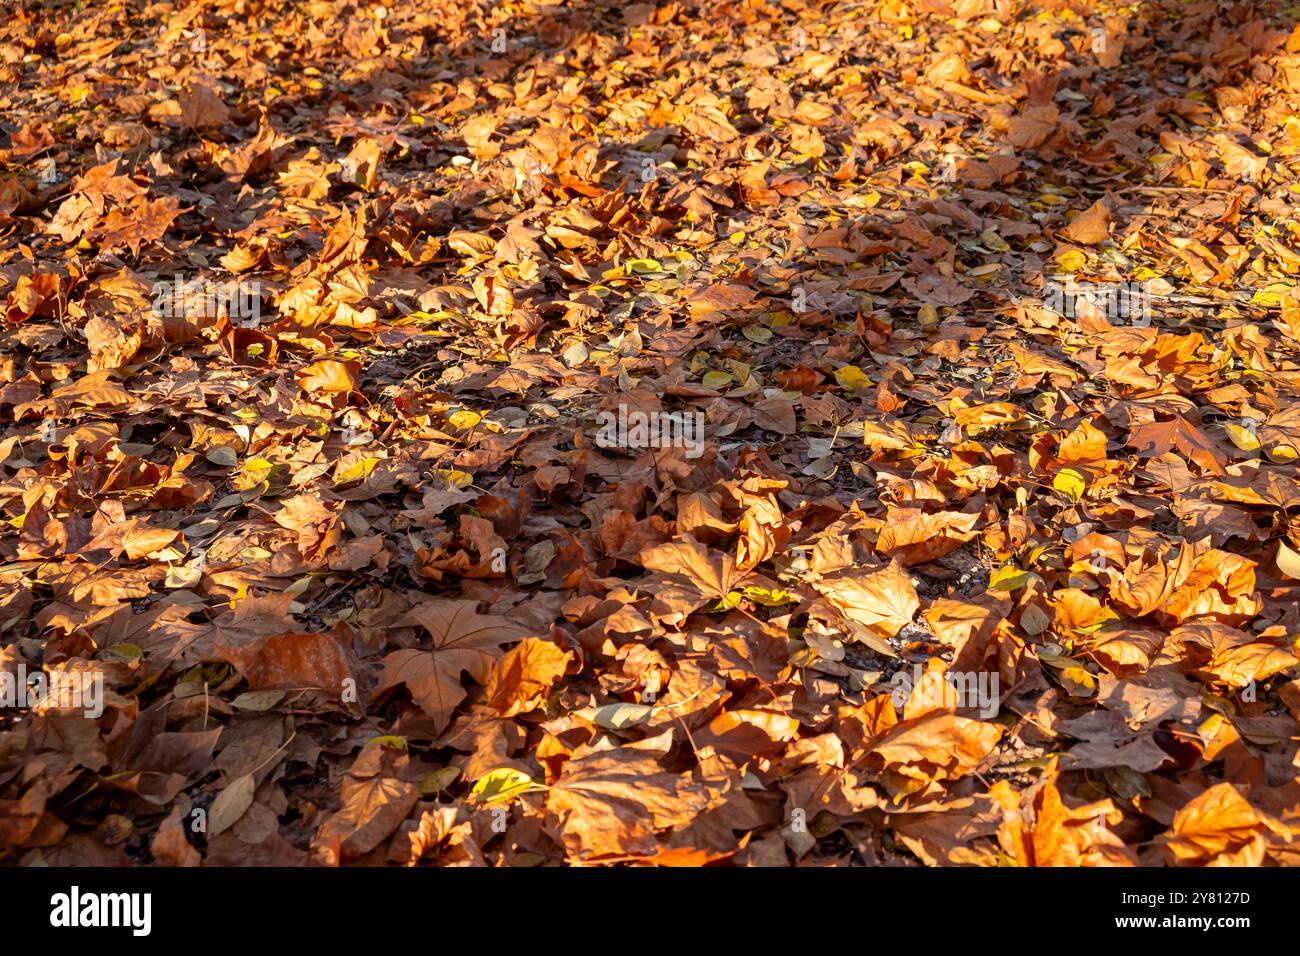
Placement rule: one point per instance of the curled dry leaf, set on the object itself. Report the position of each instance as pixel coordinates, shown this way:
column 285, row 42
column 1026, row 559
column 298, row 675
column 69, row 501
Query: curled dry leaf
column 522, row 678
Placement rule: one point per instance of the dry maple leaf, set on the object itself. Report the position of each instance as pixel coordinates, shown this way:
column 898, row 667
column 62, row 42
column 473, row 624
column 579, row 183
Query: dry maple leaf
column 1236, row 657
column 941, row 290
column 721, row 300
column 1154, row 438
column 935, row 746
column 316, row 524
column 446, row 834
column 884, row 600
column 463, row 641
column 1034, row 126
column 616, row 801
column 711, row 574
column 134, row 537
column 913, row 536
column 202, row 108
column 375, row 800
column 145, row 221
column 745, row 734
column 329, row 376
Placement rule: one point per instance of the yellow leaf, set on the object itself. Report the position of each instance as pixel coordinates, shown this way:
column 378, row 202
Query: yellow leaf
column 1271, row 296
column 455, row 478
column 717, row 379
column 740, row 370
column 730, row 602
column 464, row 419
column 852, row 378
column 1078, row 681
column 1072, row 260
column 1070, row 483
column 501, row 784
column 359, row 470
column 1243, row 438
column 770, row 597
column 436, row 781
column 1007, row 578
column 995, row 242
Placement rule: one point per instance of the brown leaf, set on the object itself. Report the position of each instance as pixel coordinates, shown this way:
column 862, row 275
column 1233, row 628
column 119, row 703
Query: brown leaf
column 329, row 376
column 463, row 641
column 1089, row 227
column 884, row 600
column 614, row 802
column 202, row 108
column 231, row 804
column 375, row 800
column 294, row 660
column 1217, row 828
column 170, row 847
column 521, row 680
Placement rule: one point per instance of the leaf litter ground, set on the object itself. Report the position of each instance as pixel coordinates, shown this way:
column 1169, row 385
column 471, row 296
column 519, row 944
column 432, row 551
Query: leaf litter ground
column 316, row 315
